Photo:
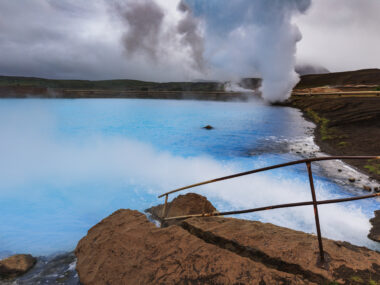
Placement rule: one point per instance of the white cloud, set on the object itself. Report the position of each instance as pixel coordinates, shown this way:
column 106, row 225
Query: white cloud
column 341, row 34
column 79, row 39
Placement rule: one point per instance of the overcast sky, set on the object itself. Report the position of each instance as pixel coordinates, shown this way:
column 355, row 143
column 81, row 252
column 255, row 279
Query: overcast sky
column 88, row 39
column 341, row 34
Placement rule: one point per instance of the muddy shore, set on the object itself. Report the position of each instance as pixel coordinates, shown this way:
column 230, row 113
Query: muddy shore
column 345, row 126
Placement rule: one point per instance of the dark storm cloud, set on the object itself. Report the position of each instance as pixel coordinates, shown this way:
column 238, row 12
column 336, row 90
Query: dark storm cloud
column 84, row 39
column 44, row 38
column 149, row 32
column 144, row 19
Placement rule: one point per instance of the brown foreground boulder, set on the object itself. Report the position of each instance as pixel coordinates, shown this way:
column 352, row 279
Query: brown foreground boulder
column 16, row 265
column 374, row 233
column 125, row 248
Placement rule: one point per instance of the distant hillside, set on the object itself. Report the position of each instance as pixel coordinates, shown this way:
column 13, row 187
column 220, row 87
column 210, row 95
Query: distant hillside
column 359, row 77
column 121, row 84
column 18, row 84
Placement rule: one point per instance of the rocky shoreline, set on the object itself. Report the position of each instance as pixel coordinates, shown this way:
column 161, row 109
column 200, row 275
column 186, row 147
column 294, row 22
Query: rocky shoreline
column 342, row 173
column 346, row 126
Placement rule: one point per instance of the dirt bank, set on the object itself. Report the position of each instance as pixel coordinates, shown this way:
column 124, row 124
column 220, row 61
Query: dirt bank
column 346, row 126
column 363, row 77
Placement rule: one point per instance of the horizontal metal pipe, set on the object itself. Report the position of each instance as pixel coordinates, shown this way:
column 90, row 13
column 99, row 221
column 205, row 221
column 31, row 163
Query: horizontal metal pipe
column 337, row 93
column 268, row 168
column 298, row 204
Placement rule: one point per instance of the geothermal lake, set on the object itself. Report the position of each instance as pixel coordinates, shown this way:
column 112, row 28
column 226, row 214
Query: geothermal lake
column 67, row 164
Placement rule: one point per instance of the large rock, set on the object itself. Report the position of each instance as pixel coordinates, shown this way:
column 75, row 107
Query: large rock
column 16, row 265
column 374, row 233
column 288, row 250
column 187, row 204
column 125, row 248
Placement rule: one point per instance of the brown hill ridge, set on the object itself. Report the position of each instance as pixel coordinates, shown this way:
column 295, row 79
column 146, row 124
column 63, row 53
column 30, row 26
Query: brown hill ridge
column 358, row 77
column 125, row 248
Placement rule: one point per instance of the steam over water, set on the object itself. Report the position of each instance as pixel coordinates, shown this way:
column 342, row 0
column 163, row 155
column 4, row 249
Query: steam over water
column 66, row 164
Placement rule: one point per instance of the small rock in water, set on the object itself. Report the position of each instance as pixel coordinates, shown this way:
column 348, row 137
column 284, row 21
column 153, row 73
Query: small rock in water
column 352, row 180
column 208, row 127
column 367, row 188
column 339, row 170
column 376, row 189
column 16, row 265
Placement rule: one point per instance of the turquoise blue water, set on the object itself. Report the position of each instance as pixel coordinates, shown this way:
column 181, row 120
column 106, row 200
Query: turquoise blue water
column 66, row 164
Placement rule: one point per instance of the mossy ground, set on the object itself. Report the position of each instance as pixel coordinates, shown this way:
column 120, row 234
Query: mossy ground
column 327, row 133
column 373, row 166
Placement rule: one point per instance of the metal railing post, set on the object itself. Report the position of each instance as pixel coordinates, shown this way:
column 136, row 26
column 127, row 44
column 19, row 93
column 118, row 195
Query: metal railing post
column 165, row 205
column 315, row 205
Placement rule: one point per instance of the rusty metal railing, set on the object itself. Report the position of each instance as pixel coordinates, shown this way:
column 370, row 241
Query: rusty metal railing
column 314, row 201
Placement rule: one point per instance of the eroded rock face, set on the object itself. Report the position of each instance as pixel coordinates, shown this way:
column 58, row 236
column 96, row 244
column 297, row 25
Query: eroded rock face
column 374, row 233
column 126, row 248
column 188, row 204
column 16, row 265
column 288, row 250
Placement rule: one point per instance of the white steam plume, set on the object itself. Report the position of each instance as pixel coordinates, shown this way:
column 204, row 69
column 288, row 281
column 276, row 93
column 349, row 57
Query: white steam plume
column 188, row 27
column 249, row 38
column 234, row 39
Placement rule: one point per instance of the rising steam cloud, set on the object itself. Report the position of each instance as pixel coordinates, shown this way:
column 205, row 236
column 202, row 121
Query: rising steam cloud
column 248, row 38
column 159, row 34
column 188, row 27
column 243, row 38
